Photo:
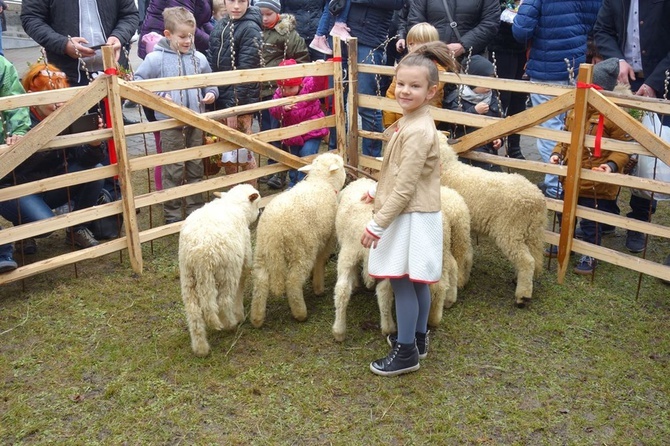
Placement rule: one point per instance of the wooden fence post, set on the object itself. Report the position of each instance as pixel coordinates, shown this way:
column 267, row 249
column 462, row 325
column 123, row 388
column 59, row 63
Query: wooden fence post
column 571, row 183
column 338, row 100
column 352, row 104
column 119, row 134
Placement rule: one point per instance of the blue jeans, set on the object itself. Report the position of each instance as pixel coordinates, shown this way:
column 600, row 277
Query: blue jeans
column 39, row 206
column 546, row 146
column 326, row 18
column 268, row 122
column 310, row 147
column 593, row 232
column 6, row 250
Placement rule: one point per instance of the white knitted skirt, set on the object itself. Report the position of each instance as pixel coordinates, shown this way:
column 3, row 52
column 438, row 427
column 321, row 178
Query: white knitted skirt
column 411, row 246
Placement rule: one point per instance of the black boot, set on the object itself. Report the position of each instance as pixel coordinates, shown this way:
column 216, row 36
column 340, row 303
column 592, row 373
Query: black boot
column 422, row 342
column 403, row 358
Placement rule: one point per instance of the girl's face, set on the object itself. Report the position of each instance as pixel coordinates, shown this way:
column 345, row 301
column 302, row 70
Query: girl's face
column 236, row 8
column 412, row 45
column 269, row 17
column 412, row 89
column 290, row 90
column 181, row 40
column 46, row 110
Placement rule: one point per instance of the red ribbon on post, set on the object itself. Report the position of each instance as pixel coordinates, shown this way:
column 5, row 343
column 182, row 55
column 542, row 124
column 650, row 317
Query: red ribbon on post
column 601, row 121
column 111, row 147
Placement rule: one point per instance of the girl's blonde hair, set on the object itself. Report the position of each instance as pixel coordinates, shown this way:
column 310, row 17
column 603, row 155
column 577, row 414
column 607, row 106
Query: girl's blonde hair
column 177, row 15
column 422, row 33
column 428, row 55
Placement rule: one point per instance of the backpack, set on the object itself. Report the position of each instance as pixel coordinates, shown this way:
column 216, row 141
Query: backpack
column 107, row 227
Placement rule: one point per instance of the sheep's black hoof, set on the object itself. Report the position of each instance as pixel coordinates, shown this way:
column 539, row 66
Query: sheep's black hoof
column 524, row 301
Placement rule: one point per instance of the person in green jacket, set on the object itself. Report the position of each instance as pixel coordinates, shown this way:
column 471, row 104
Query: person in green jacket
column 280, row 41
column 15, row 123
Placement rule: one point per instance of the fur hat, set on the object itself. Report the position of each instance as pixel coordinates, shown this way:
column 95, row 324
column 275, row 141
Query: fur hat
column 479, row 66
column 274, row 5
column 292, row 82
column 605, row 73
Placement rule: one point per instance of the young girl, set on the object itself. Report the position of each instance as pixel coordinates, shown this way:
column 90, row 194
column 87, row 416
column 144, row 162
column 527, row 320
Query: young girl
column 235, row 44
column 287, row 115
column 418, row 34
column 340, row 28
column 405, row 233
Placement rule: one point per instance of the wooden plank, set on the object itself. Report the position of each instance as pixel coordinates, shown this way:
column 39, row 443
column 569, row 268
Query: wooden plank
column 338, row 100
column 571, row 183
column 115, row 103
column 630, row 125
column 513, row 124
column 352, row 101
column 189, row 117
column 51, row 126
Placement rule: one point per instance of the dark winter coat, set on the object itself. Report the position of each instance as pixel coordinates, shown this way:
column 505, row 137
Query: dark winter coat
column 244, row 37
column 557, row 30
column 452, row 103
column 49, row 22
column 369, row 20
column 301, row 112
column 307, row 14
column 477, row 20
column 201, row 9
column 610, row 36
column 279, row 43
column 504, row 41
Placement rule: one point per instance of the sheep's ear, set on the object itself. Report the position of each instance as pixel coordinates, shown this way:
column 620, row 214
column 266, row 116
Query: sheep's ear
column 253, row 197
column 333, row 167
column 217, row 194
column 306, row 168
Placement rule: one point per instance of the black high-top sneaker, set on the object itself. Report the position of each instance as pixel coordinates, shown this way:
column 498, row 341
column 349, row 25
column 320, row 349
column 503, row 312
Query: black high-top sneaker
column 403, row 358
column 421, row 342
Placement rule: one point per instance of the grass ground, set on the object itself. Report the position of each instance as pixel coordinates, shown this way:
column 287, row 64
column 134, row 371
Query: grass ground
column 103, row 357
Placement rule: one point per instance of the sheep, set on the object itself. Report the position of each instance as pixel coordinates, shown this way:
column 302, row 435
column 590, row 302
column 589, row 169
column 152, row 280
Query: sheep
column 506, row 207
column 353, row 215
column 214, row 258
column 296, row 235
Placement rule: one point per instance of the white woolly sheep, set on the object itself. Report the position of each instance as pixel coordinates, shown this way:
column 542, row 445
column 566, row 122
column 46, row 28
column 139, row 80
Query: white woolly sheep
column 353, row 215
column 214, row 258
column 506, row 207
column 295, row 236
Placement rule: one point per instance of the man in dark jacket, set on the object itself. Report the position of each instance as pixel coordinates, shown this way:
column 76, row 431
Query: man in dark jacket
column 369, row 21
column 111, row 22
column 643, row 62
column 307, row 14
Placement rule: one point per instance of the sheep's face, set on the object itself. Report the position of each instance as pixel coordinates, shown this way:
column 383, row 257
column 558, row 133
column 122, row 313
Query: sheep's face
column 248, row 198
column 328, row 165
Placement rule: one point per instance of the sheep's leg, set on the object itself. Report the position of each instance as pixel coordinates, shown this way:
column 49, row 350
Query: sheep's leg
column 525, row 270
column 346, row 277
column 319, row 272
column 368, row 280
column 385, row 302
column 438, row 292
column 295, row 279
column 259, row 297
column 238, row 309
column 452, row 272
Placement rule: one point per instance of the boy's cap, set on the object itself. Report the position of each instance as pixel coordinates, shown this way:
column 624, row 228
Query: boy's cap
column 289, row 82
column 479, row 66
column 605, row 73
column 274, row 5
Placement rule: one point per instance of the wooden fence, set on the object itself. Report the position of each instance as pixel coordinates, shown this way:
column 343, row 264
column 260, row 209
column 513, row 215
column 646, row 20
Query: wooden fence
column 79, row 100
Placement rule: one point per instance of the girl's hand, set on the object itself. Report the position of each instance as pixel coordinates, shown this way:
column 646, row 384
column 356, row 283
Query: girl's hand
column 13, row 139
column 289, row 107
column 482, row 108
column 554, row 159
column 368, row 241
column 497, row 143
column 209, row 98
column 603, row 168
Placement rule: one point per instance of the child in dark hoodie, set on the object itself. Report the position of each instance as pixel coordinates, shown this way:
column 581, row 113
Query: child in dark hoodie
column 174, row 55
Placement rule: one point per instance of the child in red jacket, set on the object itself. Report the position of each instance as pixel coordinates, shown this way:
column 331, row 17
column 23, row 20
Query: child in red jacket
column 287, row 115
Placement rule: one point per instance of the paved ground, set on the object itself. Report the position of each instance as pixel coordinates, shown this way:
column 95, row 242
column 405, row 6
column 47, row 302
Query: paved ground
column 23, row 57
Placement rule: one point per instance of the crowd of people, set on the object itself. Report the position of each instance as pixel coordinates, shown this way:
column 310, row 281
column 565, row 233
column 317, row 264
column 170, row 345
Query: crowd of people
column 541, row 40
